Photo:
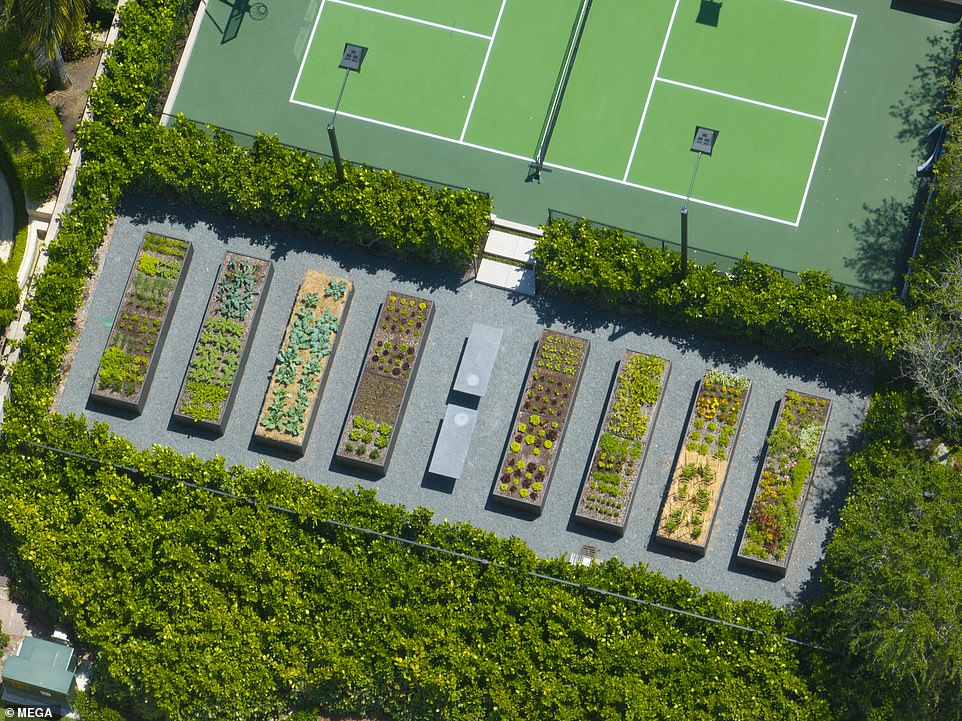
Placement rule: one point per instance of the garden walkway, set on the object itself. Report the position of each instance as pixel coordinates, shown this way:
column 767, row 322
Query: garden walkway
column 460, row 303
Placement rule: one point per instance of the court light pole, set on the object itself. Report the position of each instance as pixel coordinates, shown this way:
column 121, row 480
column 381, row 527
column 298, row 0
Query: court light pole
column 702, row 144
column 351, row 59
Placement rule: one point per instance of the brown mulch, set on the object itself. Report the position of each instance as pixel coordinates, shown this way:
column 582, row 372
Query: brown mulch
column 70, row 103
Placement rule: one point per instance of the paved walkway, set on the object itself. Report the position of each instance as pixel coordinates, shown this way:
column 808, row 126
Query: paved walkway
column 460, row 303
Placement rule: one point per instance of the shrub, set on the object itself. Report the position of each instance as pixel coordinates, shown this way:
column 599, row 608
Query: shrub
column 29, row 128
column 9, row 296
column 276, row 185
column 752, row 303
column 101, row 12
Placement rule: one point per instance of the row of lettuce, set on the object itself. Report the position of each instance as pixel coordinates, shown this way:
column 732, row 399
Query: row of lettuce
column 197, row 606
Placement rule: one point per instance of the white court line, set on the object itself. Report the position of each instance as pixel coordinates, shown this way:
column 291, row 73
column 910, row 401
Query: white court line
column 307, row 50
column 739, row 98
column 818, row 149
column 423, row 133
column 555, row 166
column 484, row 65
column 397, row 16
column 671, row 194
column 651, row 90
column 623, row 181
column 822, row 7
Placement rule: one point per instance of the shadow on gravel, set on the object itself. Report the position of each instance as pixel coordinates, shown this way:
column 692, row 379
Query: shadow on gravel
column 827, row 501
column 279, row 244
column 583, row 317
column 118, row 413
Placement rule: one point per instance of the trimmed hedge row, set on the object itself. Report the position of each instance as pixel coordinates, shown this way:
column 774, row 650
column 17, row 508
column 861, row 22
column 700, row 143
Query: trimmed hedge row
column 751, row 304
column 197, row 604
column 113, row 144
column 275, row 185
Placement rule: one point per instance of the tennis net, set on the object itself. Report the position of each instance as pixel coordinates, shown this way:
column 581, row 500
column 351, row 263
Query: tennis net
column 561, row 85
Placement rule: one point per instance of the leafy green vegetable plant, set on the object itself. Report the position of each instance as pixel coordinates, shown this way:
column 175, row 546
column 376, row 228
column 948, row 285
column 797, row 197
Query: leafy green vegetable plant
column 143, row 310
column 226, row 329
column 790, row 458
column 608, row 489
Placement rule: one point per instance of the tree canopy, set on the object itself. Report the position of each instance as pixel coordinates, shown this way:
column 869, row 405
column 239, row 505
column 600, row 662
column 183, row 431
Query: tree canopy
column 45, row 24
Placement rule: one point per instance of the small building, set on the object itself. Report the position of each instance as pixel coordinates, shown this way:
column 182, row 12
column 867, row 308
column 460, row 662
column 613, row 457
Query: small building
column 41, row 676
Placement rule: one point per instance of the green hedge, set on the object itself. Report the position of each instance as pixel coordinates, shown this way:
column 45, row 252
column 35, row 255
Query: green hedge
column 29, row 127
column 201, row 606
column 752, row 303
column 942, row 227
column 891, row 574
column 276, row 185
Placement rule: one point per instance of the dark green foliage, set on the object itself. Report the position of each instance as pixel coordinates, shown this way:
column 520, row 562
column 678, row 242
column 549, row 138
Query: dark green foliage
column 91, row 709
column 275, row 185
column 237, row 608
column 892, row 573
column 9, row 296
column 29, row 128
column 80, row 42
column 101, row 12
column 751, row 304
column 942, row 231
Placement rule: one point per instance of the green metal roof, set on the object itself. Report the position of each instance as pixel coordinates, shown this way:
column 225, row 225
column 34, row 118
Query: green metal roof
column 41, row 664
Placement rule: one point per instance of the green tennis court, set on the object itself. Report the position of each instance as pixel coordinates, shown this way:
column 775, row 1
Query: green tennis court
column 608, row 89
column 818, row 139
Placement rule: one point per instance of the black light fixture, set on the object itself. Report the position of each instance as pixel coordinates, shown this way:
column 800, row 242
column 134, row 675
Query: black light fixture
column 703, row 143
column 351, row 60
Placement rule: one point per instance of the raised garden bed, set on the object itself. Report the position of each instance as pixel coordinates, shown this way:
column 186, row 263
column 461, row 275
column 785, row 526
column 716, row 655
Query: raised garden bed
column 140, row 327
column 791, row 456
column 390, row 365
column 303, row 361
column 619, row 454
column 698, row 478
column 223, row 342
column 528, row 463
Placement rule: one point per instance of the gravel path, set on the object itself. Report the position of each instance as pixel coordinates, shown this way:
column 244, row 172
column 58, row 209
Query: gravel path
column 460, row 303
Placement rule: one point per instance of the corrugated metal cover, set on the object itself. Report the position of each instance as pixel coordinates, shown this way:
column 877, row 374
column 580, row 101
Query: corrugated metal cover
column 40, row 664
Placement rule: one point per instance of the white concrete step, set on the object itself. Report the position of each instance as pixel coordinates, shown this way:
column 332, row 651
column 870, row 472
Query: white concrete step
column 510, row 246
column 510, row 225
column 503, row 275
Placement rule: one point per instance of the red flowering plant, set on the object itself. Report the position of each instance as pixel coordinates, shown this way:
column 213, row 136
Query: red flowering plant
column 793, row 447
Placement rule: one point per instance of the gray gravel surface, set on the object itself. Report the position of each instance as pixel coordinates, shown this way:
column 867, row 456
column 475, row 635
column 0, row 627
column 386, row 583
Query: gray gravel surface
column 461, row 302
